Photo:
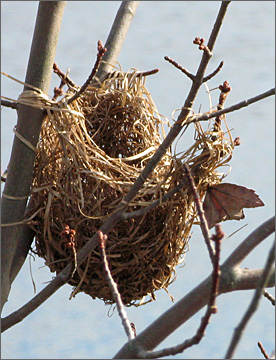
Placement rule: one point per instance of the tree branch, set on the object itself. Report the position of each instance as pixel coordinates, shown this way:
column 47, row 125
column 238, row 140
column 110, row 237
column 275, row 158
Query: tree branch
column 114, row 289
column 180, row 67
column 252, row 240
column 232, row 108
column 211, row 308
column 28, row 125
column 203, row 223
column 210, row 76
column 117, row 36
column 9, row 104
column 232, row 278
column 253, row 305
column 101, row 51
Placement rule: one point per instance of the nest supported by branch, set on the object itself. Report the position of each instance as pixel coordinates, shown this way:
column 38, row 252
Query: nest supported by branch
column 89, row 155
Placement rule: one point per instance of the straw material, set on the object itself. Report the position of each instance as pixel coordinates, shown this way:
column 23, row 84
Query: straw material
column 89, row 155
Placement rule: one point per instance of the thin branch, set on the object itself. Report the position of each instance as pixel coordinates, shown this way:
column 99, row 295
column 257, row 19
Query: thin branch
column 64, row 77
column 231, row 279
column 211, row 309
column 187, row 307
column 252, row 240
column 263, row 350
column 210, row 76
column 269, row 297
column 147, row 73
column 200, row 41
column 180, row 67
column 101, row 51
column 203, row 223
column 253, row 305
column 65, row 80
column 9, row 104
column 114, row 289
column 177, row 127
column 232, row 108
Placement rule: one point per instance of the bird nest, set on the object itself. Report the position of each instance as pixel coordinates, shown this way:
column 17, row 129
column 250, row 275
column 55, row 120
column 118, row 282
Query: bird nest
column 89, row 155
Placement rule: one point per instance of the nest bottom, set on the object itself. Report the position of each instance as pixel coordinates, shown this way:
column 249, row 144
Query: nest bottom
column 142, row 252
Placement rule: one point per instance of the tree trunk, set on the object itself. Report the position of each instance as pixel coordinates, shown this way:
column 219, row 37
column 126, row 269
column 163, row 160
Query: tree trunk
column 20, row 169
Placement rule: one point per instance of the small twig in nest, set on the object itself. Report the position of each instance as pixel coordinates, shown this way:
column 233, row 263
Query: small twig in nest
column 114, row 289
column 263, row 350
column 200, row 211
column 68, row 236
column 180, row 67
column 101, row 51
column 224, row 91
column 211, row 309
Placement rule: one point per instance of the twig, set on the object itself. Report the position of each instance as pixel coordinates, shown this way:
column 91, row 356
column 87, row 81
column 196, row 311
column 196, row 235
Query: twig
column 269, row 297
column 263, row 350
column 64, row 77
column 208, row 77
column 133, row 329
column 180, row 67
column 114, row 289
column 232, row 278
column 64, row 80
column 224, row 91
column 253, row 305
column 200, row 41
column 9, row 104
column 232, row 108
column 147, row 73
column 101, row 51
column 250, row 242
column 211, row 309
column 68, row 236
column 203, row 223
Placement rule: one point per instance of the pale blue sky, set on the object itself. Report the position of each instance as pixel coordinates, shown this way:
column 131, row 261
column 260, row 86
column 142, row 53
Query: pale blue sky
column 81, row 328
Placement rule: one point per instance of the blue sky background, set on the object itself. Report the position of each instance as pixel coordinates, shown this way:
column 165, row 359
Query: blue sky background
column 81, row 328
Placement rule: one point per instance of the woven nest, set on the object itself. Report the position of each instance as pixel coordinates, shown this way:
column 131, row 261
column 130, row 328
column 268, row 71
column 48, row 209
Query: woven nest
column 89, row 155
